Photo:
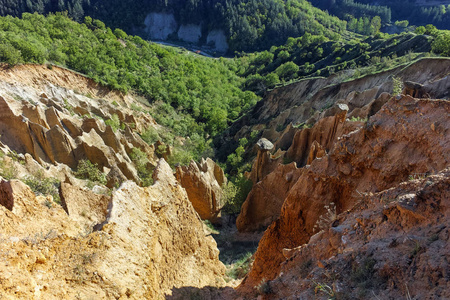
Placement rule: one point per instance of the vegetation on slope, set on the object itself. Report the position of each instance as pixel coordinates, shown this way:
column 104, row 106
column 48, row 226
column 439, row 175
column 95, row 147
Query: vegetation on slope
column 193, row 95
column 409, row 10
column 313, row 55
column 249, row 24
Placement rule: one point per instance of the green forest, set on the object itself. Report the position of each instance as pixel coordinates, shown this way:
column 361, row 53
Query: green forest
column 194, row 95
column 389, row 11
column 249, row 24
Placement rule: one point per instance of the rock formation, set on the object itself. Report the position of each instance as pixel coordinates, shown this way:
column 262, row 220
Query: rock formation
column 406, row 137
column 263, row 204
column 150, row 242
column 415, row 90
column 308, row 101
column 53, row 133
column 203, row 183
column 122, row 242
column 264, row 162
column 391, row 244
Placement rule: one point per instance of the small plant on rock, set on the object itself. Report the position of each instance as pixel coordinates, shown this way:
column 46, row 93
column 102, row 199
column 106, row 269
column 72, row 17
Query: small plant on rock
column 144, row 169
column 44, row 186
column 324, row 288
column 397, row 86
column 87, row 170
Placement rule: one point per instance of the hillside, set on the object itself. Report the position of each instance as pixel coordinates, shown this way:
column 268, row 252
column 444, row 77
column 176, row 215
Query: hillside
column 419, row 13
column 232, row 24
column 78, row 186
column 316, row 168
column 195, row 97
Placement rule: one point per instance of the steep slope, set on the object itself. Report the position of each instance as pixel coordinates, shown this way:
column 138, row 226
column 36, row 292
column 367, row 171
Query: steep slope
column 393, row 244
column 41, row 116
column 83, row 230
column 303, row 103
column 216, row 25
column 406, row 137
column 151, row 241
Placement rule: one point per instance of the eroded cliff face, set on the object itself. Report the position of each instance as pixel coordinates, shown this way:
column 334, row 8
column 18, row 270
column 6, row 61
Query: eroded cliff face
column 391, row 244
column 91, row 242
column 303, row 103
column 150, row 241
column 203, row 182
column 406, row 137
column 163, row 26
column 40, row 114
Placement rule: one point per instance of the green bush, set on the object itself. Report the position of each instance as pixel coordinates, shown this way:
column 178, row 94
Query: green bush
column 234, row 194
column 150, row 135
column 241, row 267
column 7, row 170
column 114, row 122
column 143, row 167
column 44, row 186
column 87, row 170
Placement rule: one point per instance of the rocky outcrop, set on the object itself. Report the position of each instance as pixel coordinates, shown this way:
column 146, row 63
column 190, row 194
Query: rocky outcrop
column 160, row 25
column 308, row 101
column 83, row 206
column 50, row 130
column 406, row 137
column 218, row 39
column 203, row 183
column 163, row 256
column 164, row 26
column 264, row 162
column 263, row 204
column 325, row 133
column 24, row 215
column 151, row 242
column 393, row 243
column 415, row 90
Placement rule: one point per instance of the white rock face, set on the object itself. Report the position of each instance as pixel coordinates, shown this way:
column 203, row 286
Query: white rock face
column 160, row 25
column 190, row 33
column 219, row 39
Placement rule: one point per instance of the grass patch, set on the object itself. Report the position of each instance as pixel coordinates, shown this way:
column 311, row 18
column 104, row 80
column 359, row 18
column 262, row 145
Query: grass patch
column 211, row 227
column 240, row 267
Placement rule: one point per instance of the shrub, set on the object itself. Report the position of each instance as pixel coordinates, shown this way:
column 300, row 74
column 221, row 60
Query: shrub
column 114, row 122
column 7, row 170
column 234, row 194
column 143, row 167
column 264, row 287
column 44, row 186
column 241, row 267
column 87, row 170
column 397, row 85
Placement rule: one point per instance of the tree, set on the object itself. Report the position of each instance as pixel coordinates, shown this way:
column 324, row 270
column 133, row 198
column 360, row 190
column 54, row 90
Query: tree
column 441, row 43
column 10, row 55
column 375, row 25
column 287, row 70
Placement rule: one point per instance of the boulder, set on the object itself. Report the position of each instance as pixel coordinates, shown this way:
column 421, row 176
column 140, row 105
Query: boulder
column 203, row 183
column 264, row 162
